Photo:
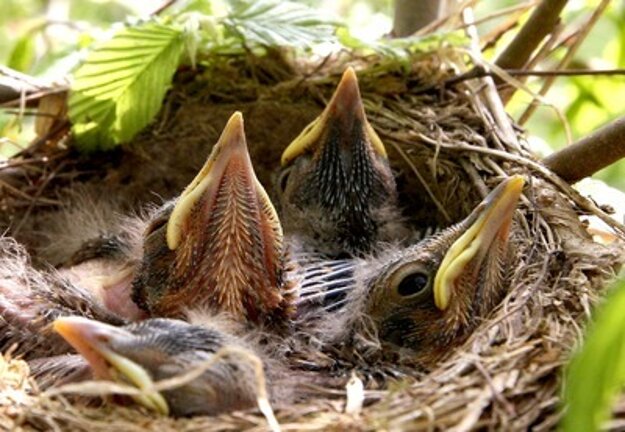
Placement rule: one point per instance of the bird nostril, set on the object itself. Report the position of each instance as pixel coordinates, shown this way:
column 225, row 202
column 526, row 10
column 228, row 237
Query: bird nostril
column 102, row 338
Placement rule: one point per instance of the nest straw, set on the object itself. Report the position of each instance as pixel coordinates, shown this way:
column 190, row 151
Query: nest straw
column 447, row 149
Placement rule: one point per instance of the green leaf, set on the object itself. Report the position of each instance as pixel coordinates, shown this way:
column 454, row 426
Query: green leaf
column 204, row 7
column 279, row 23
column 597, row 373
column 120, row 87
column 401, row 48
column 23, row 54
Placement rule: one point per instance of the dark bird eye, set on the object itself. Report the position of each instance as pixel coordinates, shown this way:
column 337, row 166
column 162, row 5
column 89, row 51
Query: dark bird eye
column 411, row 284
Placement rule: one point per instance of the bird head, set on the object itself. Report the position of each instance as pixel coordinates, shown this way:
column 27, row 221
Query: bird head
column 142, row 353
column 219, row 246
column 335, row 186
column 431, row 293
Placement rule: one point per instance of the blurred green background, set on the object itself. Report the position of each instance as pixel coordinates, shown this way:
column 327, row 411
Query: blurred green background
column 44, row 38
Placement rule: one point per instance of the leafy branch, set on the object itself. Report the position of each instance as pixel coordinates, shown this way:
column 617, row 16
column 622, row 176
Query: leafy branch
column 120, row 87
column 279, row 23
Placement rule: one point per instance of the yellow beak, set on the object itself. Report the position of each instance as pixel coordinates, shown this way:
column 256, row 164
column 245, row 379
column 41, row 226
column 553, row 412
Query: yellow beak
column 90, row 339
column 492, row 224
column 227, row 238
column 228, row 158
column 344, row 108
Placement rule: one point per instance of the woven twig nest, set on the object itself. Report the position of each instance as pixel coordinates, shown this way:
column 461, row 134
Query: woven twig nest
column 447, row 151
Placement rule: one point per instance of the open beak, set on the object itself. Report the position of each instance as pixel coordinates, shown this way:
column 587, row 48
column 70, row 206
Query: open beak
column 488, row 229
column 226, row 234
column 229, row 159
column 334, row 131
column 92, row 340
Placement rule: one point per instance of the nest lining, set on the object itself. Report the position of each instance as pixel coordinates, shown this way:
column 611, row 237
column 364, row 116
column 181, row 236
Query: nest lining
column 447, row 153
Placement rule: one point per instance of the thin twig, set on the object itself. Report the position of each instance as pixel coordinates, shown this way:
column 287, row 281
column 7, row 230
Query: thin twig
column 491, row 38
column 162, row 7
column 501, row 122
column 568, row 72
column 22, row 77
column 28, row 112
column 439, row 206
column 16, row 162
column 565, row 41
column 519, row 85
column 17, row 145
column 475, row 177
column 581, row 201
column 16, row 100
column 567, row 58
column 480, row 72
column 441, row 21
column 25, row 196
column 502, row 12
column 543, row 52
column 61, row 127
column 40, row 190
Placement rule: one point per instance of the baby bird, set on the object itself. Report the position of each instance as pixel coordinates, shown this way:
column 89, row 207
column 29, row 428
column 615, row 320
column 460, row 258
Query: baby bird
column 336, row 189
column 219, row 246
column 30, row 300
column 425, row 297
column 153, row 350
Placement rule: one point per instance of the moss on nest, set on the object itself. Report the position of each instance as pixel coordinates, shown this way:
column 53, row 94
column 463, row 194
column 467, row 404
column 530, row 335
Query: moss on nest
column 447, row 151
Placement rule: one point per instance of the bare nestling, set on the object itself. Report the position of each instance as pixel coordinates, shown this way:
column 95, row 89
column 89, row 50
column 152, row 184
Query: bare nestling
column 424, row 297
column 336, row 188
column 219, row 246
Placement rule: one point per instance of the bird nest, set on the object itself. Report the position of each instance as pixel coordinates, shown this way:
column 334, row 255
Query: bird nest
column 448, row 147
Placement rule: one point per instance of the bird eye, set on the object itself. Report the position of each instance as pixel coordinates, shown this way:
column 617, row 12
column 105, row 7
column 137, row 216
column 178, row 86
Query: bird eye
column 284, row 179
column 411, row 281
column 412, row 284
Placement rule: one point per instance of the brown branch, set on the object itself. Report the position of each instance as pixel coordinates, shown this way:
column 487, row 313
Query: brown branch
column 412, row 15
column 542, row 21
column 590, row 154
